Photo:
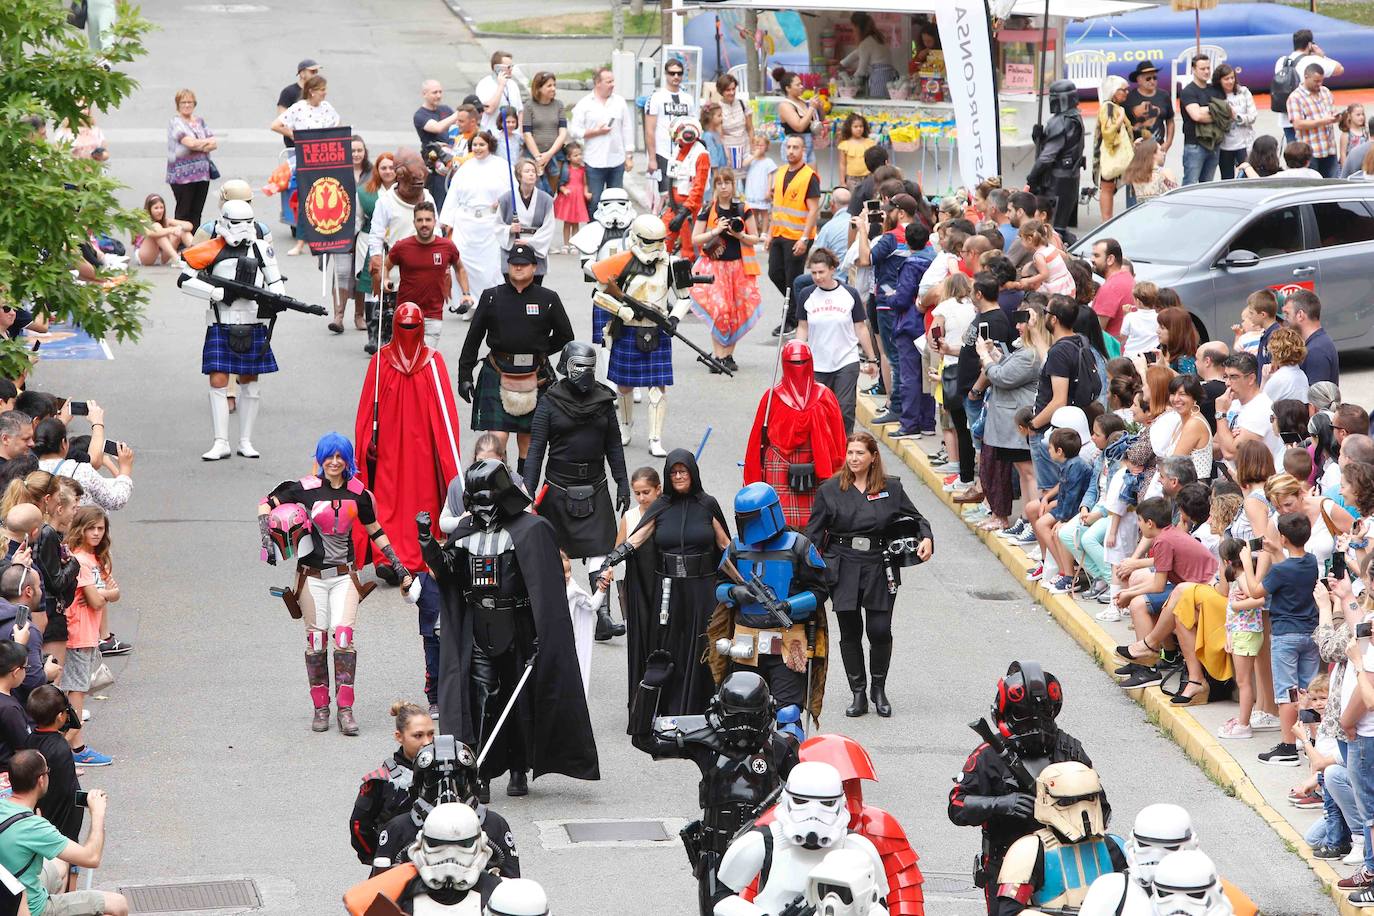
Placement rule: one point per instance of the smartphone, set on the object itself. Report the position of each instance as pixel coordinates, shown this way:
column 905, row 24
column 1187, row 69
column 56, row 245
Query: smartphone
column 1338, row 569
column 1292, row 694
column 111, row 448
column 1150, row 358
column 1021, row 316
column 21, row 616
column 1362, row 630
column 872, row 206
column 36, row 345
column 81, row 796
column 78, row 408
column 1256, row 544
column 983, row 332
column 1309, row 716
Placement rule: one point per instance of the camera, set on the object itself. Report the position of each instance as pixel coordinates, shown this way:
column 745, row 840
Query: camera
column 735, row 224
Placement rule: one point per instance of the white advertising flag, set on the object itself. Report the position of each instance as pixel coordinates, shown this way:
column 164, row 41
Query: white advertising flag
column 965, row 35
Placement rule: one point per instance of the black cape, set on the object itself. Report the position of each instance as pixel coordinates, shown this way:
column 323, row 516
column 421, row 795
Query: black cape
column 554, row 706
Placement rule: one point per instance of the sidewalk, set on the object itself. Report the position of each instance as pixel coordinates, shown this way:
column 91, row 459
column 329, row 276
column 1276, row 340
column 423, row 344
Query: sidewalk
column 1231, row 764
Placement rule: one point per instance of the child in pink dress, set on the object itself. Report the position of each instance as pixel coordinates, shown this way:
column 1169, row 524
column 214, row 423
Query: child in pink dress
column 571, row 203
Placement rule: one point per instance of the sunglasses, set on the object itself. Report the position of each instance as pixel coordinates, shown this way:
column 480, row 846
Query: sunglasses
column 1149, row 79
column 673, row 72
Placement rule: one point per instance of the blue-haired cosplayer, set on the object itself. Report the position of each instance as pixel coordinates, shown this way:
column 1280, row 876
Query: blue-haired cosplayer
column 772, row 590
column 312, row 520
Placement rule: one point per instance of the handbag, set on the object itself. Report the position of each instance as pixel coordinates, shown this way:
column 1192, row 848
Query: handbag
column 582, row 500
column 801, row 478
column 78, row 13
column 1117, row 149
column 214, row 170
column 101, row 676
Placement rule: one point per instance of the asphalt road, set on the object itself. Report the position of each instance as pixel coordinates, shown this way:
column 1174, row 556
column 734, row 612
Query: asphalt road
column 217, row 773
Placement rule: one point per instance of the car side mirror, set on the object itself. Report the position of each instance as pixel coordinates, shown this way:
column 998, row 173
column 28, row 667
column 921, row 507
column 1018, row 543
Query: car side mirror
column 1240, row 258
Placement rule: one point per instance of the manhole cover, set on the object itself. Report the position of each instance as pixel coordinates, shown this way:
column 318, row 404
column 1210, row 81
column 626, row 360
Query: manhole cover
column 993, row 594
column 948, row 885
column 199, row 895
column 616, row 832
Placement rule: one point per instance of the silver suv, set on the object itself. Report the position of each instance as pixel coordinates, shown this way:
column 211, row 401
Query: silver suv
column 1218, row 242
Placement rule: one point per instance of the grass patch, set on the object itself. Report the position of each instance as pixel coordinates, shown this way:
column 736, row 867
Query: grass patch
column 636, row 26
column 1360, row 12
column 584, row 74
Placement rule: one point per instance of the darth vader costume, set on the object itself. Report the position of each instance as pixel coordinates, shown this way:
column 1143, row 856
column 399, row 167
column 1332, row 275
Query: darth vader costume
column 1059, row 154
column 671, row 559
column 504, row 609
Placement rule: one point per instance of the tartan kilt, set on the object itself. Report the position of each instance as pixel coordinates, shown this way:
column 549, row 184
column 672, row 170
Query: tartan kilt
column 488, row 413
column 630, row 367
column 216, row 356
column 796, row 507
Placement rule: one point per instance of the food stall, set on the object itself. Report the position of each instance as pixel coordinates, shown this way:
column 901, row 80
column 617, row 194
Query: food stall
column 907, row 102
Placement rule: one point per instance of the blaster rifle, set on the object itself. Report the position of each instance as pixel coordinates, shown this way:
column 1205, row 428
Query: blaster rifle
column 642, row 310
column 756, row 812
column 270, row 304
column 763, row 594
column 1008, row 755
column 799, row 907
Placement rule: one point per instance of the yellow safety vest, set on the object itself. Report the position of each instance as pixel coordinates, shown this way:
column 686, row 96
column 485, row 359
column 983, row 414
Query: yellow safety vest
column 789, row 203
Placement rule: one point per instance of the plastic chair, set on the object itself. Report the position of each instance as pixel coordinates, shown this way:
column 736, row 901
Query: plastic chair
column 1087, row 69
column 1181, row 70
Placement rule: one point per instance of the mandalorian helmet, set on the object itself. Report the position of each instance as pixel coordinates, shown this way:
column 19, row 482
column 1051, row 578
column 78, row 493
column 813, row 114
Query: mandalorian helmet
column 742, row 710
column 1028, row 702
column 1068, row 800
column 812, row 812
column 451, row 851
column 491, row 494
column 614, row 210
column 578, row 364
column 1186, row 884
column 1063, row 96
column 237, row 226
column 758, row 513
column 1158, row 830
column 288, row 528
column 647, row 235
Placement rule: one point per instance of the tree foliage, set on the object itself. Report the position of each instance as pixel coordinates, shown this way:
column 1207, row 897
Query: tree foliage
column 51, row 201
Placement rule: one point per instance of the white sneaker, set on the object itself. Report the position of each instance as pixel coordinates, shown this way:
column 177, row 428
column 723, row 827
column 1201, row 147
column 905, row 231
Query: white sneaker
column 1035, row 553
column 1232, row 728
column 1110, row 615
column 1356, row 854
column 217, row 451
column 656, row 448
column 1261, row 721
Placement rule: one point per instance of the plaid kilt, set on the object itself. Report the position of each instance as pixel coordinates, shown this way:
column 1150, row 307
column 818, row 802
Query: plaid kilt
column 796, row 507
column 632, row 368
column 216, row 356
column 488, row 414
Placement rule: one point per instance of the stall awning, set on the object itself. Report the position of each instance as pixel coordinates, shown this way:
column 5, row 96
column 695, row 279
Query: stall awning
column 1066, row 9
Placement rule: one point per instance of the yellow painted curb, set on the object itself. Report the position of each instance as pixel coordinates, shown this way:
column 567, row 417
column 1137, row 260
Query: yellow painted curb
column 1195, row 740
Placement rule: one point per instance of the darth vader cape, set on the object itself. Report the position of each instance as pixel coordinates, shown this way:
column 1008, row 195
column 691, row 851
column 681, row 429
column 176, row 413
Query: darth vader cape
column 417, row 448
column 553, row 704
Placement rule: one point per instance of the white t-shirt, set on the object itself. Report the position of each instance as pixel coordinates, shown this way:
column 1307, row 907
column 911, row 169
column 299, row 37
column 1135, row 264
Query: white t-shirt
column 958, row 315
column 1141, row 332
column 830, row 316
column 510, row 98
column 1286, row 383
column 940, row 268
column 1328, row 67
column 1349, row 682
column 666, row 106
column 1254, row 417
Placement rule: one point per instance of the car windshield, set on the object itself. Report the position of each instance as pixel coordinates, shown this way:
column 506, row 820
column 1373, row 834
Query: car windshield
column 1164, row 232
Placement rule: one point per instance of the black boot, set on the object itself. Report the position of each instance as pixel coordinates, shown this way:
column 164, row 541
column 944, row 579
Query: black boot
column 606, row 628
column 880, row 656
column 519, row 784
column 484, row 791
column 852, row 654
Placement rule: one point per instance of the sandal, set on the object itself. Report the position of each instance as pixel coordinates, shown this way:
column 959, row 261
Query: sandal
column 1149, row 658
column 1201, row 698
column 992, row 524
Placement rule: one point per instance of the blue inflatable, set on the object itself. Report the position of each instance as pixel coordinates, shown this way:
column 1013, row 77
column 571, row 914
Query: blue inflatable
column 1253, row 35
column 700, row 30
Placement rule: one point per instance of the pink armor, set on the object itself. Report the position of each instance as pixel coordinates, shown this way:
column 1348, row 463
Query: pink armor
column 333, row 516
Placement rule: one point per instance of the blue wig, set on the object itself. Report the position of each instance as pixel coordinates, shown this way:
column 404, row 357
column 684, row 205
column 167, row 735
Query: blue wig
column 332, row 444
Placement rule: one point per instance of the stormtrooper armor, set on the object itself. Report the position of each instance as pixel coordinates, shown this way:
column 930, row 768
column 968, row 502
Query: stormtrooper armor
column 517, row 897
column 844, row 884
column 810, row 822
column 1186, row 884
column 236, row 253
column 1158, row 830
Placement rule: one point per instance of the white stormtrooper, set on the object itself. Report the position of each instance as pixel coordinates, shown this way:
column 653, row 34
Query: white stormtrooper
column 844, row 884
column 237, row 341
column 604, row 236
column 1186, row 884
column 811, row 822
column 640, row 338
column 517, row 897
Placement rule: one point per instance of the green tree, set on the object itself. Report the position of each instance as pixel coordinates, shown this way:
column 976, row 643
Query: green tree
column 51, row 201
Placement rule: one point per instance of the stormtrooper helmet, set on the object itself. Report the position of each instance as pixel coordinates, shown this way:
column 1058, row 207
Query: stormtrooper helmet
column 812, row 813
column 614, row 210
column 237, row 225
column 1158, row 830
column 235, row 189
column 1186, row 884
column 647, row 235
column 1068, row 800
column 843, row 884
column 451, row 850
column 517, row 897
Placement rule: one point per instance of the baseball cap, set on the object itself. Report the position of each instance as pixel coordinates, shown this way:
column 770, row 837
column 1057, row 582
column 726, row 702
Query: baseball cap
column 522, row 254
column 905, row 202
column 306, row 64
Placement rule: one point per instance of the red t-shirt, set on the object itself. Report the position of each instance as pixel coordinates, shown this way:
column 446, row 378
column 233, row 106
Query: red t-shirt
column 1181, row 557
column 1112, row 298
column 425, row 272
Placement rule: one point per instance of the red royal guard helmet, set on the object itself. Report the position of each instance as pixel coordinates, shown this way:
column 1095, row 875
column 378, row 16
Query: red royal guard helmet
column 841, row 752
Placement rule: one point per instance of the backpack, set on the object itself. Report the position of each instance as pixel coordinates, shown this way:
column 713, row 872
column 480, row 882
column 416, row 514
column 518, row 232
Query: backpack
column 1285, row 80
column 1086, row 384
